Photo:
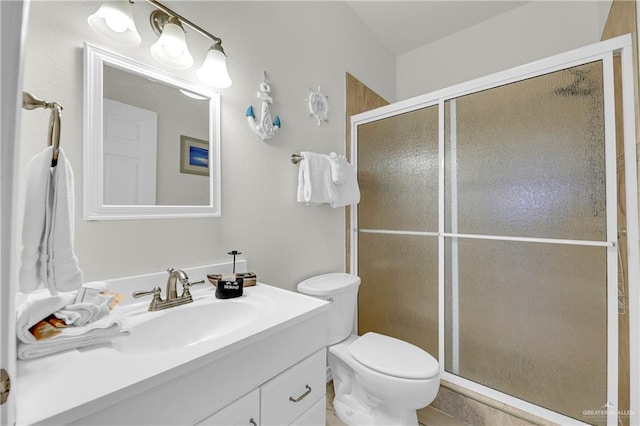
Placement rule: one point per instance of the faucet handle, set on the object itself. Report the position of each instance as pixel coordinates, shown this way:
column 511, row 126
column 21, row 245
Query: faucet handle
column 155, row 292
column 156, row 297
column 187, row 285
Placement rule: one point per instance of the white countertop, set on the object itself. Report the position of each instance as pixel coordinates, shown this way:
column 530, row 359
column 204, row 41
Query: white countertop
column 54, row 384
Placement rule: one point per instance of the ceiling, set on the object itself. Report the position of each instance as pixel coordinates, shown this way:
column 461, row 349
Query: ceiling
column 403, row 26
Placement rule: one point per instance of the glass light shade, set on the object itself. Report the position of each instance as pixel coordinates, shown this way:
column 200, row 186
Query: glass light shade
column 114, row 20
column 171, row 48
column 214, row 70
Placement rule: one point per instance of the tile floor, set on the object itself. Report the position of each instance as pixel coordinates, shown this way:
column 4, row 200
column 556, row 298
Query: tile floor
column 431, row 416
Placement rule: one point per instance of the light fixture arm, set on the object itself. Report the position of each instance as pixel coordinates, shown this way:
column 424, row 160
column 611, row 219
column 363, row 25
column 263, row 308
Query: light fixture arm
column 183, row 20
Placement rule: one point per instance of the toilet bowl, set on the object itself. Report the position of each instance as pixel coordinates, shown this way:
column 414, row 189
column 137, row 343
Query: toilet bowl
column 378, row 380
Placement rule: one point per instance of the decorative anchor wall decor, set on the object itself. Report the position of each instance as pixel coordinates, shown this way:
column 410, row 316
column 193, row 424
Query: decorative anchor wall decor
column 265, row 129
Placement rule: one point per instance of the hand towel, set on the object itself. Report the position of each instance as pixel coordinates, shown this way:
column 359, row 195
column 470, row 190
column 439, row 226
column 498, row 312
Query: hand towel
column 314, row 179
column 349, row 192
column 101, row 331
column 33, row 267
column 338, row 168
column 48, row 255
column 38, row 306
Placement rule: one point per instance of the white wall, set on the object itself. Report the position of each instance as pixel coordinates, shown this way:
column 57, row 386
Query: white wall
column 301, row 45
column 527, row 33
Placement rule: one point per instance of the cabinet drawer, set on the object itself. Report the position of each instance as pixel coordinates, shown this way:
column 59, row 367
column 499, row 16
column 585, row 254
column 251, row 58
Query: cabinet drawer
column 244, row 411
column 285, row 397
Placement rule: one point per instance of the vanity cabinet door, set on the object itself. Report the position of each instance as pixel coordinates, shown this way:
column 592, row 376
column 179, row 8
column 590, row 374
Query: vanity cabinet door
column 290, row 394
column 315, row 416
column 242, row 412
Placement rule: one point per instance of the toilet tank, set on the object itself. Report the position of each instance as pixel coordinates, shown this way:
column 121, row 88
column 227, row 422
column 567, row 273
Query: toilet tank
column 342, row 291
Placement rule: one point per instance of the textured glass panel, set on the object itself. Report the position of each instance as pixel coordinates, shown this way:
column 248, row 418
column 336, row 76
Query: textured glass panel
column 399, row 292
column 398, row 172
column 527, row 159
column 532, row 321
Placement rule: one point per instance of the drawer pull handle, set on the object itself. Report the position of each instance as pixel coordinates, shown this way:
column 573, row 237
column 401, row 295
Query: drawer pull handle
column 253, row 422
column 298, row 399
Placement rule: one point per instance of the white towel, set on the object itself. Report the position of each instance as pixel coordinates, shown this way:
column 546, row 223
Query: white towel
column 100, row 331
column 33, row 266
column 41, row 304
column 338, row 168
column 48, row 256
column 83, row 313
column 314, row 179
column 38, row 306
column 349, row 192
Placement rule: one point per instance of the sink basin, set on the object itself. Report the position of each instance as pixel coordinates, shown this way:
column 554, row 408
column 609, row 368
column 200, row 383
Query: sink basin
column 187, row 325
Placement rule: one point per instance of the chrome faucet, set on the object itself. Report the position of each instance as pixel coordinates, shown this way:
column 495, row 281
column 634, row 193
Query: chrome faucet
column 172, row 294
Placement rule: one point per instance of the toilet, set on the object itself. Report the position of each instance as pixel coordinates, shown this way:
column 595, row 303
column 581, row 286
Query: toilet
column 378, row 380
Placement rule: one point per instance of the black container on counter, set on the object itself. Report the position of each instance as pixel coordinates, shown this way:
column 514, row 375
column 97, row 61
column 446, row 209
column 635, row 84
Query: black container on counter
column 229, row 286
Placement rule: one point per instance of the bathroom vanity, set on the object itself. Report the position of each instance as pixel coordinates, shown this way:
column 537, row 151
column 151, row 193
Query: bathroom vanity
column 255, row 360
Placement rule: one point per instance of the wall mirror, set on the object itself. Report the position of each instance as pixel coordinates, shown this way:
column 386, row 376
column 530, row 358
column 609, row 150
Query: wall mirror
column 151, row 142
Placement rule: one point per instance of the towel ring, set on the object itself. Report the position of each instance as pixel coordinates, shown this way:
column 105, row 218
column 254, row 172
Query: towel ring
column 30, row 101
column 54, row 132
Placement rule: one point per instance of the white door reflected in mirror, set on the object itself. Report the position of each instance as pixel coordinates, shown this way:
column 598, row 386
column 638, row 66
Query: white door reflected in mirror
column 130, row 154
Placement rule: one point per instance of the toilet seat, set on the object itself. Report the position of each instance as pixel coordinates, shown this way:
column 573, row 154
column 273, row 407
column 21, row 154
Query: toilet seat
column 393, row 357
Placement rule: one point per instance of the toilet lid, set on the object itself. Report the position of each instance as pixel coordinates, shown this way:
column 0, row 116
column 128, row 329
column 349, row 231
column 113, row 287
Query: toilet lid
column 393, row 357
column 328, row 284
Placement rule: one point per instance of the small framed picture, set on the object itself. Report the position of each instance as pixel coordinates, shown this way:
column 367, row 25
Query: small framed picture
column 194, row 156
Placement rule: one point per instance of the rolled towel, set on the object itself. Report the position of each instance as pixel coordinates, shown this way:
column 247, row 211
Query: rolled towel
column 101, row 331
column 338, row 168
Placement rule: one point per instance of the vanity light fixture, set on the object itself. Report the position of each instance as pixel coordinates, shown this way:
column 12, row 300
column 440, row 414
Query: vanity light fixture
column 114, row 19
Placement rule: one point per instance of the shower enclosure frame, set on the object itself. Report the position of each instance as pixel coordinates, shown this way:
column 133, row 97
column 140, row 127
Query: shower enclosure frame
column 602, row 51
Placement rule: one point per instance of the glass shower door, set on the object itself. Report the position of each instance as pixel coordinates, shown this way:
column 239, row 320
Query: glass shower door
column 526, row 240
column 398, row 227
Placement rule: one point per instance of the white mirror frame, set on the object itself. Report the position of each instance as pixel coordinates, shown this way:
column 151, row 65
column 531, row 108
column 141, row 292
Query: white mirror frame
column 94, row 208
